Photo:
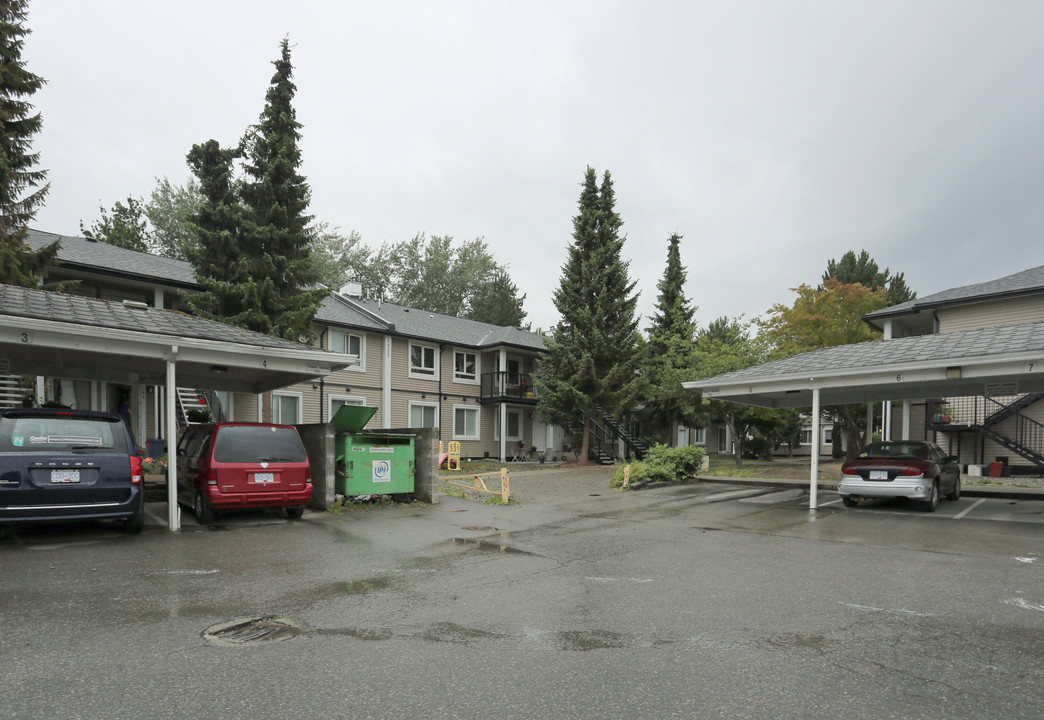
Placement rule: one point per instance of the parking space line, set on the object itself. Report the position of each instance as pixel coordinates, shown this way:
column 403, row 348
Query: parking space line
column 161, row 520
column 832, row 502
column 968, row 509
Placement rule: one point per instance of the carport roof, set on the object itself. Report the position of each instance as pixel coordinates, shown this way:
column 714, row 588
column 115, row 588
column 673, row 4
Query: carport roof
column 53, row 334
column 912, row 367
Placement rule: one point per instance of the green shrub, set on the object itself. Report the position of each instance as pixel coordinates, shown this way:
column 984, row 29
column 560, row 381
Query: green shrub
column 662, row 464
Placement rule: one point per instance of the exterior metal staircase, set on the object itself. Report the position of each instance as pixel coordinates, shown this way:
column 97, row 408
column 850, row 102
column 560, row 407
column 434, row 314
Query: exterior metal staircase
column 606, row 434
column 1000, row 421
column 193, row 407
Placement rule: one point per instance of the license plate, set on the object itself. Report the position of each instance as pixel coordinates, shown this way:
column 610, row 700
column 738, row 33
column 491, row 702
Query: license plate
column 878, row 474
column 264, row 477
column 65, row 476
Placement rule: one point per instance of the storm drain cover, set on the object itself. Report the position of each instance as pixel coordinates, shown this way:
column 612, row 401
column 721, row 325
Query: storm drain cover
column 247, row 631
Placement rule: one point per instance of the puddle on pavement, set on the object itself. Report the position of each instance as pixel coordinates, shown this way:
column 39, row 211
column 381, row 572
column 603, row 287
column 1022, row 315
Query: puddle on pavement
column 587, row 640
column 451, row 632
column 357, row 633
column 487, row 546
column 797, row 641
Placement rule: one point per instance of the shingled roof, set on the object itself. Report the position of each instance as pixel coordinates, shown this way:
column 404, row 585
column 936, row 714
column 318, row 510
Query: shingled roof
column 58, row 307
column 338, row 310
column 916, row 315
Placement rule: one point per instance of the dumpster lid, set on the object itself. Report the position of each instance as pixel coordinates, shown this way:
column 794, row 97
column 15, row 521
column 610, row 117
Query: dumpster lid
column 352, row 418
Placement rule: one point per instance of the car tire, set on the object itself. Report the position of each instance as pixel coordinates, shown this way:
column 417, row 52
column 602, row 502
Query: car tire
column 955, row 494
column 135, row 524
column 294, row 513
column 932, row 503
column 849, row 501
column 201, row 506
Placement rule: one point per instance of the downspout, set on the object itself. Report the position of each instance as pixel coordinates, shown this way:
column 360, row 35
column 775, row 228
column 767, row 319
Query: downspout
column 386, row 385
column 442, row 346
column 502, row 383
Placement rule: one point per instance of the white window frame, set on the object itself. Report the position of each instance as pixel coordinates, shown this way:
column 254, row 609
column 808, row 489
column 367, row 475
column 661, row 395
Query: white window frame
column 360, row 365
column 423, row 405
column 344, row 400
column 496, row 425
column 701, row 436
column 724, row 441
column 423, row 372
column 806, row 436
column 280, row 420
column 461, row 433
column 462, row 378
column 828, row 435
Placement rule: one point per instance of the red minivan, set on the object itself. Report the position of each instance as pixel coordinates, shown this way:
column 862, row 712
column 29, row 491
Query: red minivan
column 227, row 466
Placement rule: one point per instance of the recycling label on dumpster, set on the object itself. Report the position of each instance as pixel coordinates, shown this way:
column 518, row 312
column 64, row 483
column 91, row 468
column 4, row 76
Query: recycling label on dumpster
column 381, row 471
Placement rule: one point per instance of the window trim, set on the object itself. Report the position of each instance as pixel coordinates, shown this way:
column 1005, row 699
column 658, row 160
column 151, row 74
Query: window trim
column 422, row 375
column 464, row 379
column 409, row 412
column 300, row 406
column 360, row 366
column 457, row 434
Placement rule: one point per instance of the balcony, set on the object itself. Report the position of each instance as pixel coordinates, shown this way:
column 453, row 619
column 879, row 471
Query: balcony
column 518, row 388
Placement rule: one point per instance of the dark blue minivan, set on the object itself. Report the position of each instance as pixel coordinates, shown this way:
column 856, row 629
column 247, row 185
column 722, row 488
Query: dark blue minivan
column 59, row 464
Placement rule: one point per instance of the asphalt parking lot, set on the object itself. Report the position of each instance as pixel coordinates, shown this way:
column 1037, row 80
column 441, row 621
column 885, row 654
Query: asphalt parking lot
column 694, row 600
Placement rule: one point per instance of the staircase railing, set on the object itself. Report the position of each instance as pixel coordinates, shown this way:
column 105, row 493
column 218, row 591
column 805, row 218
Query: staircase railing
column 997, row 418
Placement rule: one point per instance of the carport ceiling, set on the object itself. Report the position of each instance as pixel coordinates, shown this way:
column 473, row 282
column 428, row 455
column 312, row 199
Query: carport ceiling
column 56, row 335
column 990, row 361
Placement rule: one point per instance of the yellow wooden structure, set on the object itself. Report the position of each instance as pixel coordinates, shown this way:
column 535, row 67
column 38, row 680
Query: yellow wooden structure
column 479, row 485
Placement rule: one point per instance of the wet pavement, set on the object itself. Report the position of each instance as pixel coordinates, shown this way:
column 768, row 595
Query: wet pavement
column 702, row 599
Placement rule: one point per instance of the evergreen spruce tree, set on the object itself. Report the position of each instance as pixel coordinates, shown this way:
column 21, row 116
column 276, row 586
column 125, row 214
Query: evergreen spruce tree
column 253, row 258
column 216, row 256
column 496, row 301
column 670, row 352
column 22, row 187
column 274, row 236
column 594, row 353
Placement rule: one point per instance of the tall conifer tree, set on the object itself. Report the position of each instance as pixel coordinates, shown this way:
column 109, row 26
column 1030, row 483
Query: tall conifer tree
column 594, row 353
column 22, row 187
column 254, row 234
column 670, row 350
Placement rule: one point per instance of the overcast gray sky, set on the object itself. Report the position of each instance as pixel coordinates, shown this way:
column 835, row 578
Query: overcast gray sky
column 773, row 135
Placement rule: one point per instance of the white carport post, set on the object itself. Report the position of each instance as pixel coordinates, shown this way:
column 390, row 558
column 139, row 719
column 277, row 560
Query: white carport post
column 813, row 490
column 173, row 511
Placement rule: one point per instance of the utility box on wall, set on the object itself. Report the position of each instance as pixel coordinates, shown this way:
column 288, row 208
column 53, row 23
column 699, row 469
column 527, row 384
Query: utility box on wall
column 370, row 462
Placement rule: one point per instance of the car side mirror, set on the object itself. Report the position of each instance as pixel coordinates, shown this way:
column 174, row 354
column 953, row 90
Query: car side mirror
column 951, row 458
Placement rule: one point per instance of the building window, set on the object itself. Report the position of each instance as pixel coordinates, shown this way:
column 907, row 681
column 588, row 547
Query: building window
column 286, row 408
column 724, row 446
column 337, row 401
column 424, row 415
column 465, row 423
column 422, row 361
column 806, row 436
column 349, row 344
column 465, row 366
column 828, row 435
column 701, row 436
column 514, row 425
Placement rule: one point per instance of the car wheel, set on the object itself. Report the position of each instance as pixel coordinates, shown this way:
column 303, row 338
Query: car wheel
column 849, row 501
column 135, row 524
column 294, row 513
column 932, row 502
column 955, row 494
column 204, row 513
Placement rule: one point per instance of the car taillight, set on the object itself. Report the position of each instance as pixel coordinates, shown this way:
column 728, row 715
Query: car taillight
column 308, row 475
column 135, row 469
column 912, row 471
column 206, row 477
column 847, row 469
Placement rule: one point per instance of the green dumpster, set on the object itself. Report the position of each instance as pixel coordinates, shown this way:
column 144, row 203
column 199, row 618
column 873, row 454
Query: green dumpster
column 370, row 462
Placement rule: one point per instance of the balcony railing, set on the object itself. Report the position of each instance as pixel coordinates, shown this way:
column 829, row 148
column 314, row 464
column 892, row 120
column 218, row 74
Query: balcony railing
column 508, row 387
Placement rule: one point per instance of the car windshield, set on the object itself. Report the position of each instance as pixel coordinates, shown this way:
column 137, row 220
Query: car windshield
column 34, row 433
column 258, row 443
column 896, row 449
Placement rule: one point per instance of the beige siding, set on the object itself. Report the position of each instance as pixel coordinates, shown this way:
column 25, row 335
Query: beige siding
column 991, row 314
